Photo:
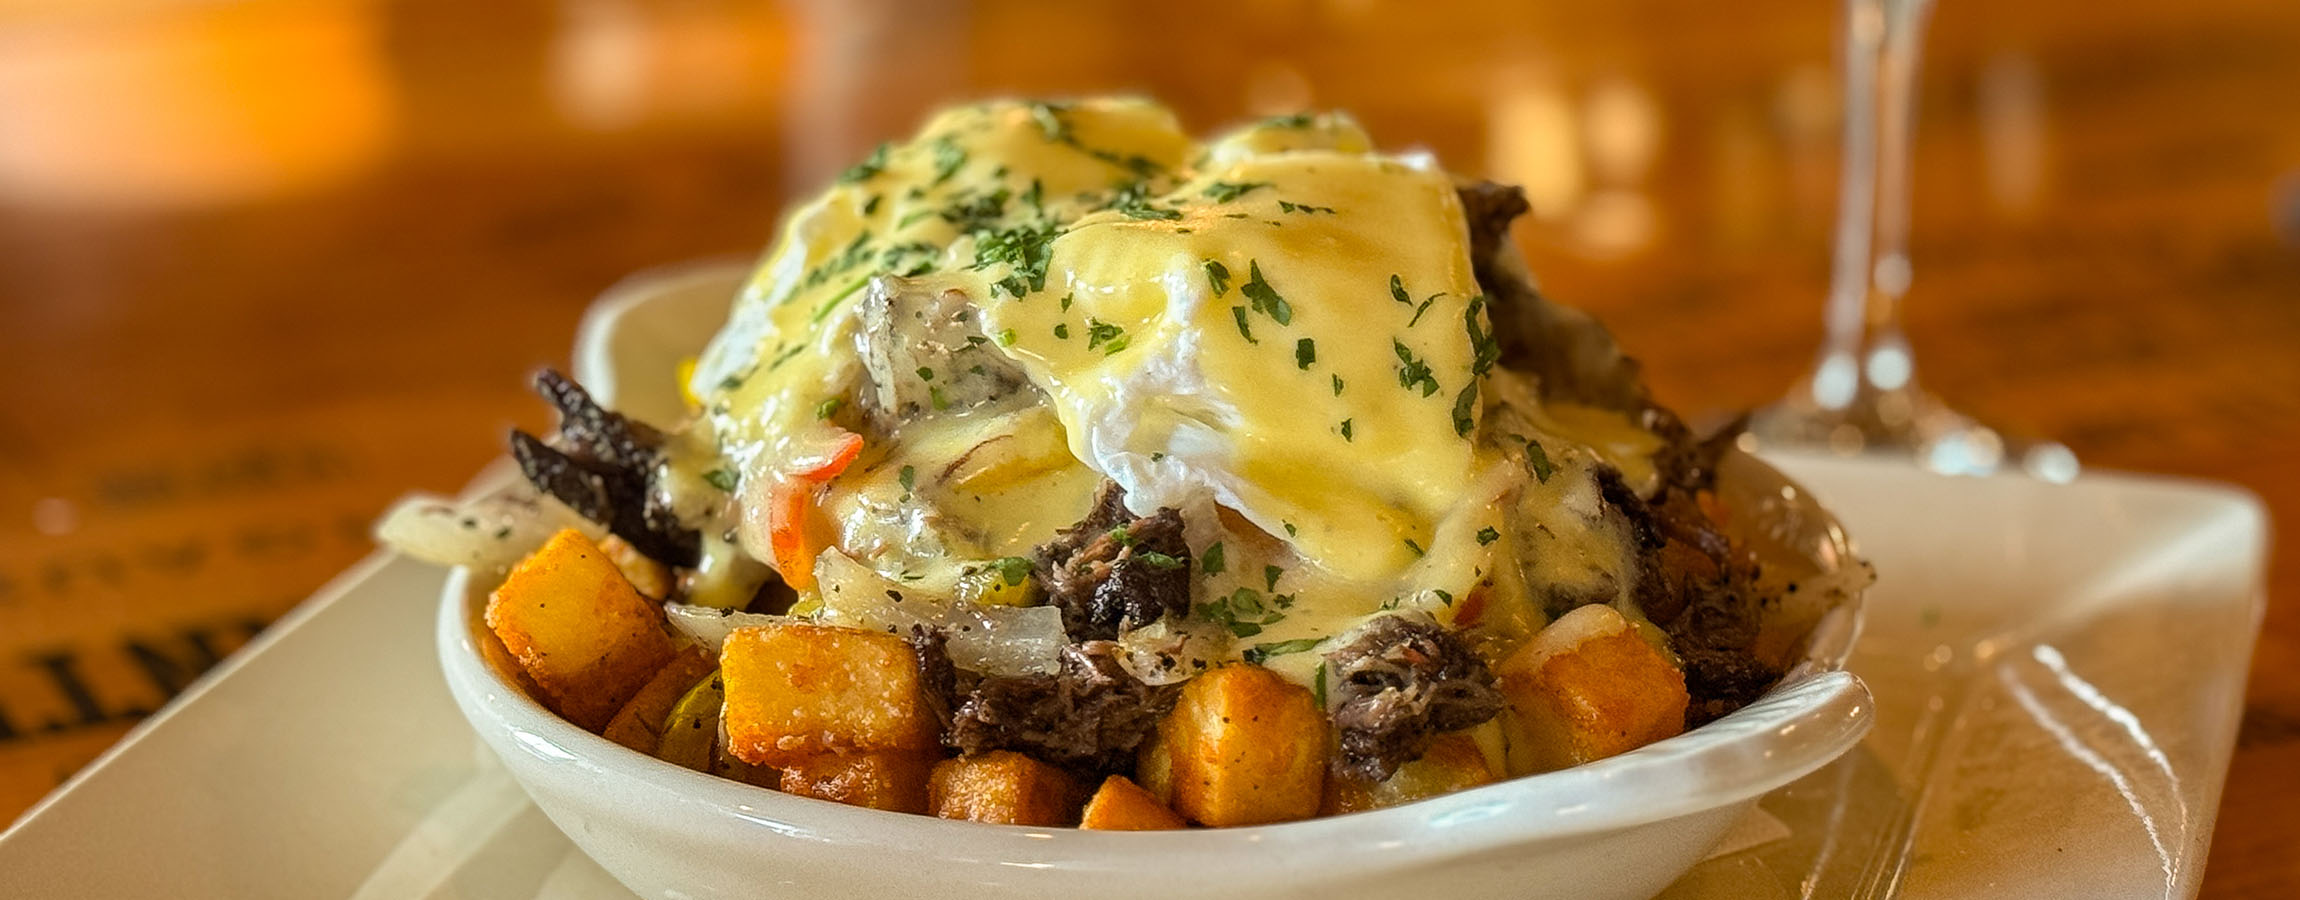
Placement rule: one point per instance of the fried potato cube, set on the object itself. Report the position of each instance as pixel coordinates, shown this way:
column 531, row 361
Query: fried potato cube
column 1588, row 686
column 1122, row 805
column 894, row 781
column 648, row 575
column 1453, row 762
column 579, row 629
column 639, row 724
column 1003, row 787
column 796, row 691
column 1242, row 747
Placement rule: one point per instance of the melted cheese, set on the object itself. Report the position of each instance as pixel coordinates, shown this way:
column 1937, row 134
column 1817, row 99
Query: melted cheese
column 1281, row 323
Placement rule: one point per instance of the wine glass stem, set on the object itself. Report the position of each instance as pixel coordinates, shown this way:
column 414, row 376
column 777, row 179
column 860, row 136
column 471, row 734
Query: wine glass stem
column 1863, row 352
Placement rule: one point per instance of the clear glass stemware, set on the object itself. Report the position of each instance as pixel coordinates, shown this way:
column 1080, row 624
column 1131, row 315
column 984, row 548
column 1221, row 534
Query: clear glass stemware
column 1862, row 395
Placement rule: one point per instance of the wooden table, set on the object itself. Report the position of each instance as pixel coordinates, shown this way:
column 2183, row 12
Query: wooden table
column 265, row 267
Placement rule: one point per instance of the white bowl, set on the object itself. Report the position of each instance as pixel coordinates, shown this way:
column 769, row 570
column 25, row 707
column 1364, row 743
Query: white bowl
column 1623, row 827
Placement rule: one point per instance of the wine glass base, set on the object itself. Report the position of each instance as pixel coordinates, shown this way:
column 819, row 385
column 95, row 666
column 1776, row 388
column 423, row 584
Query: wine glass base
column 1906, row 423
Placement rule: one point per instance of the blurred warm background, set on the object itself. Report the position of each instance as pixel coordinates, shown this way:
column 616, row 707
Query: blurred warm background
column 266, row 265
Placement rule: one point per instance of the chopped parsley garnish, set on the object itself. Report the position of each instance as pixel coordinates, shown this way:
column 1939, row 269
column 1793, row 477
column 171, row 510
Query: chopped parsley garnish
column 1110, row 338
column 1270, row 577
column 1320, row 691
column 723, row 479
column 1297, row 120
column 828, row 408
column 1062, row 331
column 1288, row 206
column 1226, row 191
column 1121, row 536
column 1006, row 337
column 1239, row 313
column 925, row 373
column 1348, row 434
column 1537, row 460
column 1050, row 121
column 1290, row 530
column 1161, row 561
column 908, row 478
column 1261, row 652
column 1218, row 278
column 1210, row 561
column 1011, row 569
column 1415, row 547
column 1066, row 301
column 868, row 168
column 1486, row 344
column 1398, row 291
column 1264, row 297
column 1425, row 307
column 948, row 158
column 935, row 397
column 1413, row 372
column 1028, row 248
column 1243, row 612
column 1487, row 535
column 1337, row 385
column 1465, row 409
column 1305, row 353
column 870, row 206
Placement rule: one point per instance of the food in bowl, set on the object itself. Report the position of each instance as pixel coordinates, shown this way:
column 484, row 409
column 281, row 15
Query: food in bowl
column 1055, row 469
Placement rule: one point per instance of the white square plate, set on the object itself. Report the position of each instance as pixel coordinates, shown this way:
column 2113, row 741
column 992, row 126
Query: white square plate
column 2059, row 672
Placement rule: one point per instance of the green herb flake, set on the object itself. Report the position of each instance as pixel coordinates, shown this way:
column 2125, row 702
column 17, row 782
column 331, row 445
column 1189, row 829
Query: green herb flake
column 1337, row 385
column 1006, row 337
column 1348, row 433
column 828, row 408
column 1413, row 372
column 1105, row 335
column 1398, row 291
column 1160, row 561
column 1062, row 331
column 1259, row 653
column 925, row 373
column 1265, row 298
column 1465, row 409
column 723, row 479
column 908, row 478
column 1011, row 569
column 1218, row 278
column 1210, row 562
column 868, row 168
column 1290, row 530
column 1416, row 547
column 1244, row 330
column 1270, row 577
column 1418, row 310
column 1319, row 691
column 1296, row 120
column 1305, row 353
column 1487, row 535
column 1537, row 460
column 948, row 158
column 1226, row 191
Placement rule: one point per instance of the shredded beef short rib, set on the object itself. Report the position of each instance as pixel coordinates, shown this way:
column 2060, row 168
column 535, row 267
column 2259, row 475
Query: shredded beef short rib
column 1398, row 683
column 1114, row 570
column 1701, row 588
column 1090, row 715
column 601, row 464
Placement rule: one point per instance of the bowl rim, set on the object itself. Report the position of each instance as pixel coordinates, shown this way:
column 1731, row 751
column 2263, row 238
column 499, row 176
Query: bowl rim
column 1817, row 713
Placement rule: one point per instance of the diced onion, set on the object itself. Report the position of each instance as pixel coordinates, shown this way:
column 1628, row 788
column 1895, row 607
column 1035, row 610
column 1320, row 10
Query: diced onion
column 991, row 640
column 709, row 626
column 487, row 535
column 1162, row 653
